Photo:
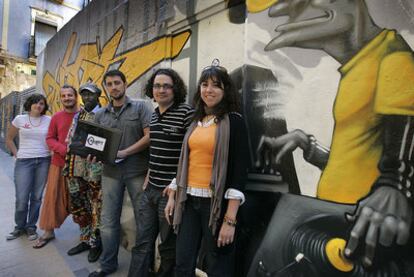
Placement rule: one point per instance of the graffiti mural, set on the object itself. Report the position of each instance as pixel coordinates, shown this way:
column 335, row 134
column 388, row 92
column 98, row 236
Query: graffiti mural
column 369, row 163
column 328, row 99
column 92, row 61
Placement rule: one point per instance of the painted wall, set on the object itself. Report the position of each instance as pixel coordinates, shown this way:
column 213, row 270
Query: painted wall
column 286, row 63
column 309, row 78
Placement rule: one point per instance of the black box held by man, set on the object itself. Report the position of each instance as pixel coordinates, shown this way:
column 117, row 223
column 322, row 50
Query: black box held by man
column 96, row 140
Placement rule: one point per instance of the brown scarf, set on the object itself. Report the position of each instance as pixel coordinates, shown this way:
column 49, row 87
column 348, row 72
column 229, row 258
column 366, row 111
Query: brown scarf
column 218, row 176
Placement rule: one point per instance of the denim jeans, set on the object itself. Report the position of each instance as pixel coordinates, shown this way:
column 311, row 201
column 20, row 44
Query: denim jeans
column 151, row 220
column 112, row 199
column 219, row 262
column 30, row 176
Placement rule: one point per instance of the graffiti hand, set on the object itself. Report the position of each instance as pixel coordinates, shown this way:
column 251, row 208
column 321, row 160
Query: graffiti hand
column 271, row 150
column 384, row 216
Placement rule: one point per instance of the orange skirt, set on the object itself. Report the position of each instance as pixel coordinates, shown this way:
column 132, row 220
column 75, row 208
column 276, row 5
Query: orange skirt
column 55, row 203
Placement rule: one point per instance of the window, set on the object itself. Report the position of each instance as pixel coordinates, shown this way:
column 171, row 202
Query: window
column 45, row 24
column 43, row 32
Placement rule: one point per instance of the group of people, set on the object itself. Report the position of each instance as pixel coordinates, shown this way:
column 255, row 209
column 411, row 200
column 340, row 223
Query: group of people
column 73, row 185
column 183, row 166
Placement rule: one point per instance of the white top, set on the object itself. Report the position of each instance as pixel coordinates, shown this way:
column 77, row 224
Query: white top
column 32, row 136
column 207, row 193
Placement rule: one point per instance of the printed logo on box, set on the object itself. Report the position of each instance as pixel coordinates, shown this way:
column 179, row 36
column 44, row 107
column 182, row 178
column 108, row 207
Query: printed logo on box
column 95, row 142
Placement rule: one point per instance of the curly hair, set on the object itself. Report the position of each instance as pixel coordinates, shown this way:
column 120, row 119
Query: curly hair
column 34, row 99
column 179, row 88
column 231, row 98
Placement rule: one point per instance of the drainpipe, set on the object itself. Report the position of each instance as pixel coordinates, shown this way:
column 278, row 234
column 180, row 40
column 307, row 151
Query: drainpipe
column 6, row 7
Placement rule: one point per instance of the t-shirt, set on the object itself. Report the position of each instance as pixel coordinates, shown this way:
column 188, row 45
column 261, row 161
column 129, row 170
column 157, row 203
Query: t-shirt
column 32, row 136
column 376, row 82
column 167, row 132
column 200, row 165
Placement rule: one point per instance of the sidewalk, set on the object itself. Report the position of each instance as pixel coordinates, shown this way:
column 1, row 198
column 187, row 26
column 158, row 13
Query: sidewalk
column 19, row 259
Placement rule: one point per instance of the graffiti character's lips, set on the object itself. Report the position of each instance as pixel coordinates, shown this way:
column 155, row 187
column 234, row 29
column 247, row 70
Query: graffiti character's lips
column 305, row 23
column 295, row 31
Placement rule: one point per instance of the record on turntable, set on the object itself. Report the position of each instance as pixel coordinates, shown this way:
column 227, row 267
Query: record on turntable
column 306, row 237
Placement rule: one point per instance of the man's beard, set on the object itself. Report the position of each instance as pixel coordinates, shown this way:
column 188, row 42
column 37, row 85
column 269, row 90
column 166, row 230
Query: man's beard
column 69, row 106
column 118, row 97
column 90, row 106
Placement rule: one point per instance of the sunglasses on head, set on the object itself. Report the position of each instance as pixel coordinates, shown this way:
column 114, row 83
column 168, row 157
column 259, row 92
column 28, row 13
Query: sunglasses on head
column 216, row 65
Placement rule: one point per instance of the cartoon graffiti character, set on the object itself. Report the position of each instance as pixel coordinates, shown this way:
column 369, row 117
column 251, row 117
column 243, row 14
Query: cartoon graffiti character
column 370, row 162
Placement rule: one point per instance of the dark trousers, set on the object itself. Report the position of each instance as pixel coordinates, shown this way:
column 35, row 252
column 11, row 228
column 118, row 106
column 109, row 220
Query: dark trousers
column 193, row 229
column 151, row 221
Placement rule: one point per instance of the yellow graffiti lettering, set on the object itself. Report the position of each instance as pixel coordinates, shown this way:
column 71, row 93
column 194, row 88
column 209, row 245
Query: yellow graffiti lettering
column 91, row 63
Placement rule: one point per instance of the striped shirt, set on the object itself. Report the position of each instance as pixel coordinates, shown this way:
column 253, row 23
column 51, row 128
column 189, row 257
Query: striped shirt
column 167, row 132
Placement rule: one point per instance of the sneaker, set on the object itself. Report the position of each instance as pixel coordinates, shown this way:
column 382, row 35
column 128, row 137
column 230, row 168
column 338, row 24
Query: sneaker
column 31, row 234
column 15, row 234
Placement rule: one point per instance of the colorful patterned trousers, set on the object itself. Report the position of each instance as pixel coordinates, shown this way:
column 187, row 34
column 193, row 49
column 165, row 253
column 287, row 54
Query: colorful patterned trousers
column 85, row 202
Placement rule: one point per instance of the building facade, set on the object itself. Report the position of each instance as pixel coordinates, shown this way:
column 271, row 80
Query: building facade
column 25, row 28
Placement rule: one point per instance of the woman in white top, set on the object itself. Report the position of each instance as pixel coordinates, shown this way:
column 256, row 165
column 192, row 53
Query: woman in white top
column 32, row 163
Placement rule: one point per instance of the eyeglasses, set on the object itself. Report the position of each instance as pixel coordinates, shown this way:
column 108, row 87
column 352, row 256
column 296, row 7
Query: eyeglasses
column 164, row 86
column 216, row 65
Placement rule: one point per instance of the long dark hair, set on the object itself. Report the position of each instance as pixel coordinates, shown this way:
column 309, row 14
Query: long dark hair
column 179, row 88
column 230, row 101
column 33, row 99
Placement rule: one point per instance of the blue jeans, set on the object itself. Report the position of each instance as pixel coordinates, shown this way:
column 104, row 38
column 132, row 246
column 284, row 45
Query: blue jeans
column 30, row 176
column 219, row 262
column 112, row 200
column 151, row 221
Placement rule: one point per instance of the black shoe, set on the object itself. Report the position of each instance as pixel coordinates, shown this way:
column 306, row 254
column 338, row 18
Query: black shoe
column 98, row 274
column 31, row 234
column 83, row 246
column 94, row 254
column 15, row 234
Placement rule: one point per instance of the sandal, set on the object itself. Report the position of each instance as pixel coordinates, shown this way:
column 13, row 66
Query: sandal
column 42, row 242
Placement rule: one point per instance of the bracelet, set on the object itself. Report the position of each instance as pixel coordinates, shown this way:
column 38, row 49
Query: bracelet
column 229, row 221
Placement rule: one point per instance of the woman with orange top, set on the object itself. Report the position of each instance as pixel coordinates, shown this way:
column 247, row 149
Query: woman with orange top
column 208, row 189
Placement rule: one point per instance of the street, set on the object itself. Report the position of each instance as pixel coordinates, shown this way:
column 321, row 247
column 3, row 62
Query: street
column 19, row 259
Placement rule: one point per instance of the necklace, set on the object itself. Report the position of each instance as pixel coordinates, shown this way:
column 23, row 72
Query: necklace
column 40, row 122
column 207, row 121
